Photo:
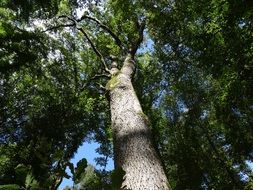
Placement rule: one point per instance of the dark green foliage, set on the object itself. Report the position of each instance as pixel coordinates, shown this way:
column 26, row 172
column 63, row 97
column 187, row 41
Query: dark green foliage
column 117, row 178
column 81, row 165
column 42, row 9
column 44, row 113
column 92, row 179
column 204, row 49
column 9, row 187
column 19, row 47
column 194, row 83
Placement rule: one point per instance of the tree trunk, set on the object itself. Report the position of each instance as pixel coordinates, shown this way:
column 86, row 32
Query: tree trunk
column 133, row 147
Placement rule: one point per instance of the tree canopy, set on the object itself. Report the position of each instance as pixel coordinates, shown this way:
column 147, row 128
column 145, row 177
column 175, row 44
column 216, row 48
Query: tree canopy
column 193, row 78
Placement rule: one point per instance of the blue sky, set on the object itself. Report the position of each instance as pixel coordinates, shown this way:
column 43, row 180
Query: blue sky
column 87, row 150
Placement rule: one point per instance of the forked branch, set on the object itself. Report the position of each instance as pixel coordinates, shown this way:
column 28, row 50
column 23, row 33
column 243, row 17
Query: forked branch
column 75, row 23
column 94, row 49
column 62, row 25
column 135, row 45
column 103, row 26
column 58, row 26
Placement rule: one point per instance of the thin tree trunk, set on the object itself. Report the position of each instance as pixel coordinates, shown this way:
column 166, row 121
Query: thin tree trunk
column 133, row 148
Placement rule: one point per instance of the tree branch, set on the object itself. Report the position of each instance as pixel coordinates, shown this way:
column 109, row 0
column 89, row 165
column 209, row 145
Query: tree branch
column 134, row 46
column 94, row 49
column 103, row 26
column 63, row 25
column 74, row 23
column 69, row 18
column 100, row 86
column 96, row 76
column 59, row 26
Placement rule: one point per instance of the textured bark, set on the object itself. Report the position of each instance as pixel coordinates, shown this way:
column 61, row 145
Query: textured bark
column 133, row 147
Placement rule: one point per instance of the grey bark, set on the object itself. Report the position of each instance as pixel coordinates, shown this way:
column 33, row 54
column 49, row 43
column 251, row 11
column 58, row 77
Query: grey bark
column 133, row 148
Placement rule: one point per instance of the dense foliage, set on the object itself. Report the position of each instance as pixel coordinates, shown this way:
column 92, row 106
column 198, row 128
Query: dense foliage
column 194, row 80
column 205, row 49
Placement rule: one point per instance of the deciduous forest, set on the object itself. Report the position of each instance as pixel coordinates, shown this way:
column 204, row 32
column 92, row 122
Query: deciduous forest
column 164, row 87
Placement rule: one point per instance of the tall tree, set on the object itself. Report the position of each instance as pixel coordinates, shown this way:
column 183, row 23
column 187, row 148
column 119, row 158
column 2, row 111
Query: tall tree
column 204, row 48
column 193, row 81
column 134, row 150
column 41, row 123
column 130, row 125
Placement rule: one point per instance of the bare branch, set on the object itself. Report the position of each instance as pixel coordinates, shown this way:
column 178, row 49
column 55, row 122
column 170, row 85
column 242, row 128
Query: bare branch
column 94, row 49
column 59, row 26
column 69, row 18
column 106, row 28
column 63, row 25
column 74, row 23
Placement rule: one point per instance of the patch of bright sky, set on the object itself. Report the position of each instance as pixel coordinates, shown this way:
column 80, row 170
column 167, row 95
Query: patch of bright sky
column 245, row 176
column 147, row 44
column 87, row 150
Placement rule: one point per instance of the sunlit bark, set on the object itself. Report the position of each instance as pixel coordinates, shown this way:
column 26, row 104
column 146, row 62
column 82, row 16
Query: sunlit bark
column 133, row 147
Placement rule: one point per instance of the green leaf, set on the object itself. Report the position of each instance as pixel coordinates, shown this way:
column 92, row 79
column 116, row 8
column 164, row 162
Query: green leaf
column 21, row 172
column 10, row 187
column 2, row 31
column 31, row 182
column 80, row 168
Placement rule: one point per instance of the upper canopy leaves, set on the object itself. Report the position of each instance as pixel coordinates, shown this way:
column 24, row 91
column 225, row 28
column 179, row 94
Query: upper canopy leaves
column 194, row 84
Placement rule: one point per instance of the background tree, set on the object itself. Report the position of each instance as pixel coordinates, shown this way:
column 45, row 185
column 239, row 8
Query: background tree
column 193, row 80
column 44, row 113
column 204, row 50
